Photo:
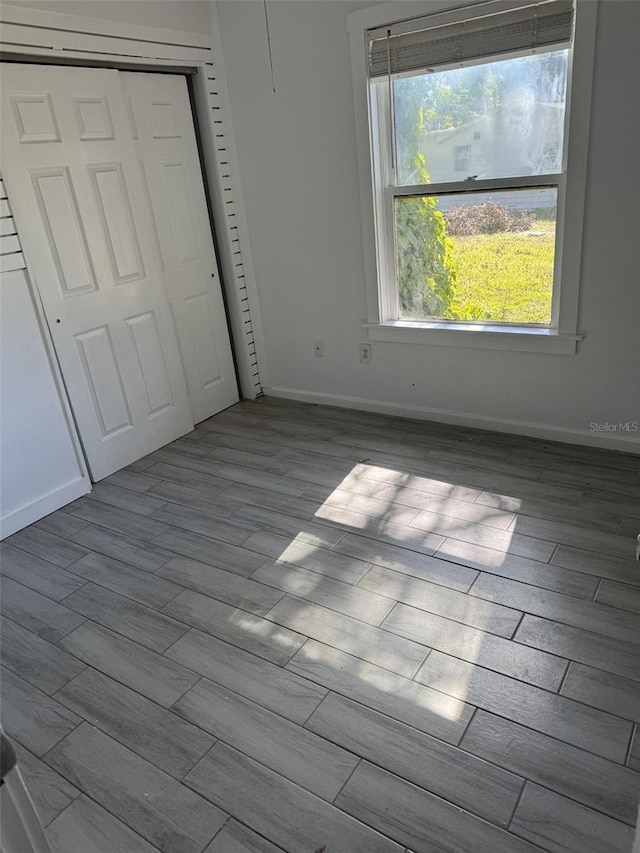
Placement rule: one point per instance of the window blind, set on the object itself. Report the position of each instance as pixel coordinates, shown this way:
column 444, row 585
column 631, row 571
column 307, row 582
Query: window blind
column 528, row 27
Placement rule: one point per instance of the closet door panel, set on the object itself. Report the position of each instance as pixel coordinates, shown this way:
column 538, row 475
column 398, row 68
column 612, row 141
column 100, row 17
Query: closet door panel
column 73, row 175
column 161, row 126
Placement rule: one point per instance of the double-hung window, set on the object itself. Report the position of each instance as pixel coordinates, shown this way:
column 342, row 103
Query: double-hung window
column 476, row 183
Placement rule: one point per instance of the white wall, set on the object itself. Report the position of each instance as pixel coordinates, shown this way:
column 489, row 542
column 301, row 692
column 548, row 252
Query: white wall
column 193, row 16
column 296, row 151
column 39, row 460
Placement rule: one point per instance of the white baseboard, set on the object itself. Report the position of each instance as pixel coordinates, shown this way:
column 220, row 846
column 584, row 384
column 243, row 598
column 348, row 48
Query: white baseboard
column 629, row 443
column 23, row 516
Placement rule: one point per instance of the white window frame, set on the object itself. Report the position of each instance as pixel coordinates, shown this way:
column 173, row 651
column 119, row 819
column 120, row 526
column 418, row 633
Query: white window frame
column 562, row 336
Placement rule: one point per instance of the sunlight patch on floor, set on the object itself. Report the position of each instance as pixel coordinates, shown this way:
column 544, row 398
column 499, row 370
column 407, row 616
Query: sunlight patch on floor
column 384, row 515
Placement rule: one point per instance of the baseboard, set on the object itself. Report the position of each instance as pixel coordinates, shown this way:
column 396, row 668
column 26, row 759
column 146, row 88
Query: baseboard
column 28, row 514
column 606, row 440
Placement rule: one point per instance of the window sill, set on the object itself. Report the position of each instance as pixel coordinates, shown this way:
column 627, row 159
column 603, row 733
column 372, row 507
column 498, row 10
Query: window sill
column 475, row 336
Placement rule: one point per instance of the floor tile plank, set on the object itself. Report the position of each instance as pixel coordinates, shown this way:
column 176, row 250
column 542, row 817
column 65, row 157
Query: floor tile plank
column 126, row 549
column 597, row 500
column 186, row 447
column 189, row 477
column 518, row 568
column 334, row 594
column 602, row 690
column 551, row 510
column 379, row 509
column 218, row 439
column 133, row 583
column 149, row 673
column 420, row 820
column 42, row 664
column 135, row 482
column 513, row 484
column 588, row 779
column 211, row 551
column 85, row 827
column 138, row 502
column 233, row 625
column 163, row 738
column 297, row 507
column 38, row 574
column 560, row 825
column 428, row 710
column 197, row 495
column 209, row 522
column 616, row 568
column 273, row 438
column 278, row 809
column 594, row 650
column 256, row 598
column 236, row 838
column 478, row 513
column 299, row 755
column 623, row 482
column 589, row 616
column 406, row 561
column 118, row 520
column 45, row 618
column 307, row 556
column 296, row 529
column 619, row 595
column 54, row 549
column 560, row 717
column 379, row 529
column 450, row 603
column 478, row 534
column 37, row 720
column 126, row 617
column 265, row 480
column 51, row 794
column 477, row 647
column 339, row 473
column 415, row 482
column 479, row 787
column 148, row 800
column 267, row 463
column 280, row 690
column 349, row 635
column 61, row 523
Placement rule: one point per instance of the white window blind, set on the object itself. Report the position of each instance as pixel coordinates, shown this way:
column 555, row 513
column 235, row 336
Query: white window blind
column 526, row 28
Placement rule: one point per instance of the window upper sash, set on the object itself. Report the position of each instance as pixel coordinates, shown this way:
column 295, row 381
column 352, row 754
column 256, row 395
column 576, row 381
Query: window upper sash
column 426, row 45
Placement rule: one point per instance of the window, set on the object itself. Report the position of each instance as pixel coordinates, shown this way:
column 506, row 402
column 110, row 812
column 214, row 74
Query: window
column 469, row 146
column 462, row 158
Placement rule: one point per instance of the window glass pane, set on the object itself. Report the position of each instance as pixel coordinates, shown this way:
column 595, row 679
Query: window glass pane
column 481, row 257
column 507, row 116
column 462, row 158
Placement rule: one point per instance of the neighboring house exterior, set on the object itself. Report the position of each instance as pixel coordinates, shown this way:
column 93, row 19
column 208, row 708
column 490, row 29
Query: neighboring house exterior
column 512, row 139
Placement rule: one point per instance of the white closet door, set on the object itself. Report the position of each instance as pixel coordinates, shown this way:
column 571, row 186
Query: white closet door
column 77, row 197
column 163, row 132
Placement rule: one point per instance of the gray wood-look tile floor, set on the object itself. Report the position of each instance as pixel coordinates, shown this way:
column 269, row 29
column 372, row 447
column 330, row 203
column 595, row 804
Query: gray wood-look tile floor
column 302, row 629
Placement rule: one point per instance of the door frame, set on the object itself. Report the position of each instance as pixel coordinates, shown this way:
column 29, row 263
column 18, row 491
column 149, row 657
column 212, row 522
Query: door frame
column 40, row 37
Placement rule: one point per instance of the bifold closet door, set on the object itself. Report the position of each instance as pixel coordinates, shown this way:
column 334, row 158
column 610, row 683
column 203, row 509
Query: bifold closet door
column 79, row 202
column 165, row 142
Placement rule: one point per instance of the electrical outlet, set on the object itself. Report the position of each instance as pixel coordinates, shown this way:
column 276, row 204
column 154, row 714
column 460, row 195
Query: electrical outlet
column 365, row 353
column 318, row 348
